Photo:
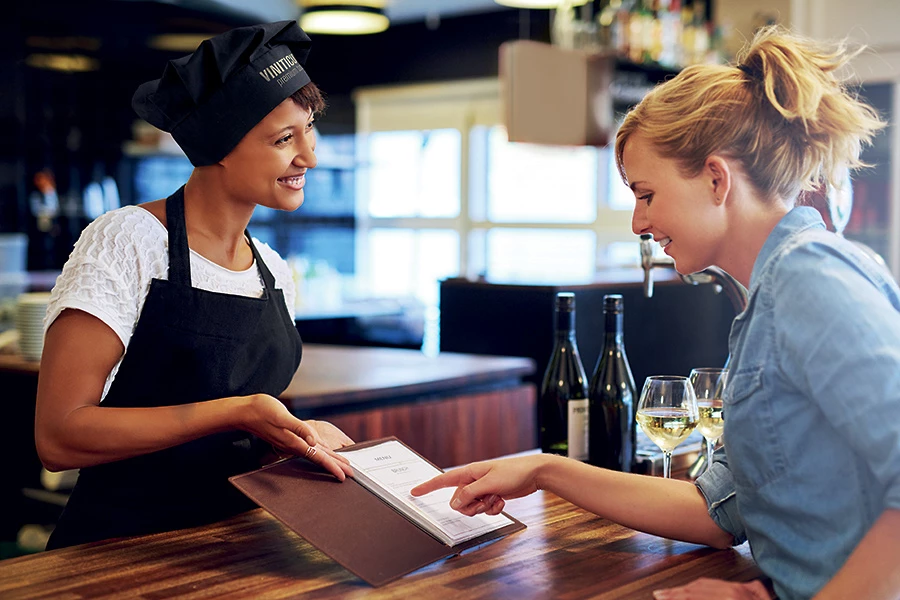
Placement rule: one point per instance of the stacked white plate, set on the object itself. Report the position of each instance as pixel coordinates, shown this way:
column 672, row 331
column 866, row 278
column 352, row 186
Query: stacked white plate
column 30, row 311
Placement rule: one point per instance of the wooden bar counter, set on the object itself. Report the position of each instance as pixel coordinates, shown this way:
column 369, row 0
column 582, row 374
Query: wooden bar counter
column 565, row 552
column 452, row 408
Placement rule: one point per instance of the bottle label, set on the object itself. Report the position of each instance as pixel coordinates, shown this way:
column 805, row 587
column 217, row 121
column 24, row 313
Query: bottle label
column 578, row 429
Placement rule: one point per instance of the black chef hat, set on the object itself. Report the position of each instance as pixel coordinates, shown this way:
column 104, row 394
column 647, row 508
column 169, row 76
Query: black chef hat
column 210, row 99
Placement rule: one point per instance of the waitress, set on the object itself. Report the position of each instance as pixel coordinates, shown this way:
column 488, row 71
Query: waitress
column 170, row 333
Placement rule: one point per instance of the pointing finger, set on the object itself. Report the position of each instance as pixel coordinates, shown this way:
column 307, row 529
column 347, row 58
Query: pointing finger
column 449, row 479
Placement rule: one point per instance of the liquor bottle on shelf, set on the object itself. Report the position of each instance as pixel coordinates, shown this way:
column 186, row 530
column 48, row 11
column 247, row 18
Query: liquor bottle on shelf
column 563, row 397
column 686, row 46
column 621, row 28
column 611, row 437
column 700, row 28
column 671, row 32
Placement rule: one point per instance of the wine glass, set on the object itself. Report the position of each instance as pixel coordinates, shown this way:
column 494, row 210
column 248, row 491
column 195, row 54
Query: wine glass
column 840, row 202
column 709, row 387
column 667, row 412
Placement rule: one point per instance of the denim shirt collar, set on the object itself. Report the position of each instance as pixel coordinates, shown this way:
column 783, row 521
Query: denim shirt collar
column 797, row 219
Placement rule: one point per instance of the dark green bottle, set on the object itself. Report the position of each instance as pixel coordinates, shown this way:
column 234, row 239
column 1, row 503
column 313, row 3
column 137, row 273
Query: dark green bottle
column 564, row 399
column 612, row 396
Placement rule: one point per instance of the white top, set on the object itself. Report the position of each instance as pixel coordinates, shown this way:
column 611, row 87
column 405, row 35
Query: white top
column 109, row 271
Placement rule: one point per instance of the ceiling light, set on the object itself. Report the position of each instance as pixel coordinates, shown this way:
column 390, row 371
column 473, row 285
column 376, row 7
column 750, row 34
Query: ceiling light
column 70, row 63
column 178, row 42
column 539, row 3
column 343, row 19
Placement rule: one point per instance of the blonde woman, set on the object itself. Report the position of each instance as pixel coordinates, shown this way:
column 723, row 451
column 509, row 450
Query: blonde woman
column 717, row 159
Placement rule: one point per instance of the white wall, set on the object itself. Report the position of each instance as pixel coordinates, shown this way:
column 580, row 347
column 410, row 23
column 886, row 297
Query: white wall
column 870, row 22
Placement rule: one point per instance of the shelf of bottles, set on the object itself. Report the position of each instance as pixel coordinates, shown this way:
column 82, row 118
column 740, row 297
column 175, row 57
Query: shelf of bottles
column 667, row 33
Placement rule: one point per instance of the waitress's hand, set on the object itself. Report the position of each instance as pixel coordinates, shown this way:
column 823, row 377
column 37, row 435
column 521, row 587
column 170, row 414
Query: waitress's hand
column 328, row 435
column 267, row 418
column 483, row 487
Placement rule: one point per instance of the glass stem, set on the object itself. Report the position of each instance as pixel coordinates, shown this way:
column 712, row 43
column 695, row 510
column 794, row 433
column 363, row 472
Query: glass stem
column 667, row 465
column 710, row 449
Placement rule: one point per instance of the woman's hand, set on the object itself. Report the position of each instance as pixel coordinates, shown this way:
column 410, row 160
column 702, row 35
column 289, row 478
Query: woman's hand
column 328, row 435
column 483, row 487
column 715, row 589
column 267, row 418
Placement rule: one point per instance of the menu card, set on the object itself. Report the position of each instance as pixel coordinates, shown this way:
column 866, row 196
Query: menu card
column 391, row 469
column 370, row 524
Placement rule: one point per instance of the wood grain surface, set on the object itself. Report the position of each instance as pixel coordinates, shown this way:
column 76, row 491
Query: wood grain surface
column 332, row 375
column 564, row 553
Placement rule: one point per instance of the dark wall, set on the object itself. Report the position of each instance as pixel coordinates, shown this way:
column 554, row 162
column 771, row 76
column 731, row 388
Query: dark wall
column 458, row 48
column 75, row 123
column 679, row 328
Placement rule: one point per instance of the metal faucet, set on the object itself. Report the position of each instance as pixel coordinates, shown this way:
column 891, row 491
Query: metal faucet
column 722, row 281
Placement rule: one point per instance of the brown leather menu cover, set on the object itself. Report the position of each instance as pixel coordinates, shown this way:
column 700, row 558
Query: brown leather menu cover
column 347, row 522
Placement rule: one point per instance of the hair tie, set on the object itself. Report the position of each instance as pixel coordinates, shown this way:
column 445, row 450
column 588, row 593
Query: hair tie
column 751, row 73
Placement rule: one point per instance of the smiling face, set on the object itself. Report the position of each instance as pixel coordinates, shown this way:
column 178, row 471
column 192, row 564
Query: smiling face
column 682, row 213
column 268, row 166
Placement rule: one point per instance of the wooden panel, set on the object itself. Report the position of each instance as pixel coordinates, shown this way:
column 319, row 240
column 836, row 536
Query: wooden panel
column 456, row 430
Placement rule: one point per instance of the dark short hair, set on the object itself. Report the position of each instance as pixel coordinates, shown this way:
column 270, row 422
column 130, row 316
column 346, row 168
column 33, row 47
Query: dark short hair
column 311, row 98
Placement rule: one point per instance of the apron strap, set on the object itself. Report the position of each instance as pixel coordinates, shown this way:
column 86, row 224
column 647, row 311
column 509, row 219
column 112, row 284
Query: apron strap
column 268, row 279
column 179, row 253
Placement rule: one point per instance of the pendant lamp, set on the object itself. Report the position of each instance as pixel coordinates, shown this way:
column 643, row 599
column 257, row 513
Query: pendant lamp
column 539, row 3
column 338, row 17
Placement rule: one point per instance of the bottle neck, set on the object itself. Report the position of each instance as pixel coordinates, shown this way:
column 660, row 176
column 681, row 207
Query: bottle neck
column 565, row 324
column 614, row 328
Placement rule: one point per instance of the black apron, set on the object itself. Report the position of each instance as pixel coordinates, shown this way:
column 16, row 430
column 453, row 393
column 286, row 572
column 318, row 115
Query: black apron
column 189, row 345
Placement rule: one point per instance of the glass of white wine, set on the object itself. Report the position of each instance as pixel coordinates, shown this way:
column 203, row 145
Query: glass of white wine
column 709, row 387
column 667, row 412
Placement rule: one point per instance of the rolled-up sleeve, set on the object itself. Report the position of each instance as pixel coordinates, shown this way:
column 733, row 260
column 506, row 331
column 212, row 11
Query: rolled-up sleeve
column 717, row 486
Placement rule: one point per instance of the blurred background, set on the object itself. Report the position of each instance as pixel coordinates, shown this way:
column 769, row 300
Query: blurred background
column 417, row 180
column 464, row 172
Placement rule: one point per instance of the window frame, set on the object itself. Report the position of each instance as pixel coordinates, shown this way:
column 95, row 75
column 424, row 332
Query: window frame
column 462, row 105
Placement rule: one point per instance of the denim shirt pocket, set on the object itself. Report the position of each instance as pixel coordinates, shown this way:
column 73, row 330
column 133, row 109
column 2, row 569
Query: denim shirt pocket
column 755, row 452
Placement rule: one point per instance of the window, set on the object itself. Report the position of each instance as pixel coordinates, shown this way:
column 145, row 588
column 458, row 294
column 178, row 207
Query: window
column 441, row 192
column 157, row 176
column 413, row 173
column 411, row 262
column 528, row 183
column 554, row 256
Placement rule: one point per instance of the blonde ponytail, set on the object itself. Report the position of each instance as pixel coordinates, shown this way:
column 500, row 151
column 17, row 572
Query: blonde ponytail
column 782, row 113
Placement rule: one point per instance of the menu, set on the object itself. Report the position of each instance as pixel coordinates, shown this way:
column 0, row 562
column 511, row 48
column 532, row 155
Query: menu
column 391, row 469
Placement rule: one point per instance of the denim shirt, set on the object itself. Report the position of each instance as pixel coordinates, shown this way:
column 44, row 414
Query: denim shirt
column 812, row 410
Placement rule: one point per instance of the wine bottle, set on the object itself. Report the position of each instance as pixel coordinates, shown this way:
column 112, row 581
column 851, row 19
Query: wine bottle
column 564, row 398
column 611, row 437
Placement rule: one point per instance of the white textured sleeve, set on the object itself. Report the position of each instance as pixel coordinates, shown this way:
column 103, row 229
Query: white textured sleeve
column 109, row 271
column 281, row 271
